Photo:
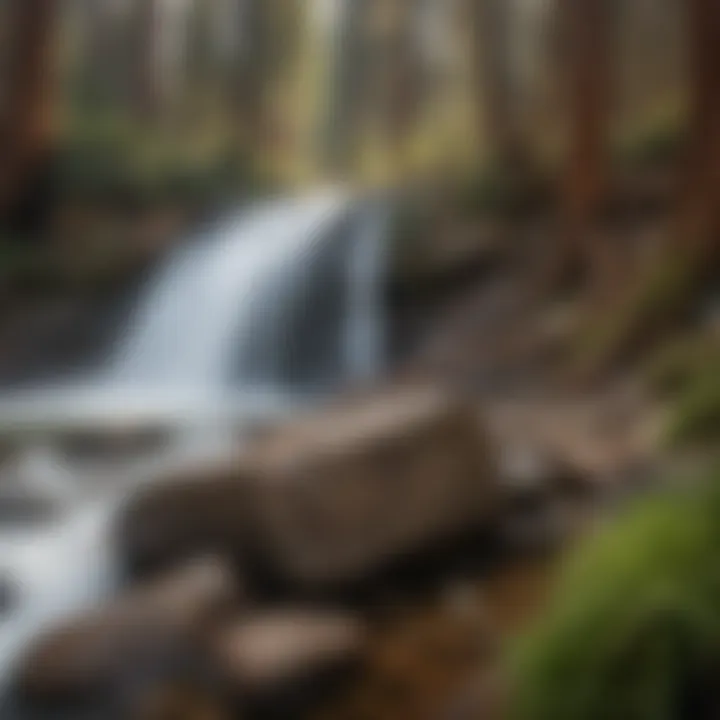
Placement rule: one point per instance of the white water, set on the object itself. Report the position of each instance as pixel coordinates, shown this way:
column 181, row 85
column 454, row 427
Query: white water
column 226, row 302
column 222, row 303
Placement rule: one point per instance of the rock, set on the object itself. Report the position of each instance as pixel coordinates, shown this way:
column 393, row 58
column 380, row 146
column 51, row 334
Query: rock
column 484, row 698
column 332, row 497
column 265, row 653
column 346, row 491
column 179, row 702
column 129, row 640
column 545, row 498
column 194, row 512
column 531, row 476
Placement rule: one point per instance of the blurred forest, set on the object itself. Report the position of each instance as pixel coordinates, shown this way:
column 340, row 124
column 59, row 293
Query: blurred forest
column 165, row 109
column 162, row 100
column 585, row 134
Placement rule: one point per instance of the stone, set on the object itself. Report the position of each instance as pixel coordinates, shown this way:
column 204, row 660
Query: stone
column 531, row 476
column 331, row 498
column 341, row 494
column 265, row 652
column 132, row 638
column 197, row 511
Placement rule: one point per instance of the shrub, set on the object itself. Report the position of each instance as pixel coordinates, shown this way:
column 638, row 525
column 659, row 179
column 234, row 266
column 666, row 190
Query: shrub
column 696, row 414
column 634, row 632
column 657, row 144
column 675, row 366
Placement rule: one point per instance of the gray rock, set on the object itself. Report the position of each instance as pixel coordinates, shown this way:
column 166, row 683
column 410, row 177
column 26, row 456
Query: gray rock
column 531, row 476
column 344, row 492
column 199, row 511
column 332, row 497
column 132, row 638
column 265, row 652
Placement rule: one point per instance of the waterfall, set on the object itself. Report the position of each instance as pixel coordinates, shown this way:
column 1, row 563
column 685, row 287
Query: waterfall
column 284, row 294
column 246, row 303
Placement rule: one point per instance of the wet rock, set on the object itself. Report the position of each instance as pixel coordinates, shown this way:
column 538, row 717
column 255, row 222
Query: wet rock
column 483, row 698
column 130, row 640
column 331, row 498
column 345, row 492
column 531, row 477
column 194, row 512
column 180, row 702
column 280, row 655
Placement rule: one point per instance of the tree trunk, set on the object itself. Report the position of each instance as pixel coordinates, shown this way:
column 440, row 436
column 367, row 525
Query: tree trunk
column 346, row 85
column 405, row 69
column 253, row 69
column 147, row 62
column 667, row 288
column 98, row 58
column 699, row 213
column 587, row 39
column 26, row 127
column 494, row 79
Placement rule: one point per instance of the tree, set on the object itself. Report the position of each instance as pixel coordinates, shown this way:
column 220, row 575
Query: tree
column 494, row 78
column 26, row 125
column 404, row 68
column 147, row 61
column 665, row 289
column 266, row 48
column 587, row 28
column 348, row 53
column 99, row 61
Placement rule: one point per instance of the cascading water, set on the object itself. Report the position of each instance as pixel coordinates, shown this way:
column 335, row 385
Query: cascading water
column 284, row 295
column 219, row 311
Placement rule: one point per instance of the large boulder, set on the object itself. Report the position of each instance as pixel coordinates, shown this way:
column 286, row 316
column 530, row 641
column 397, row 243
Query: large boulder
column 131, row 639
column 197, row 511
column 349, row 489
column 330, row 498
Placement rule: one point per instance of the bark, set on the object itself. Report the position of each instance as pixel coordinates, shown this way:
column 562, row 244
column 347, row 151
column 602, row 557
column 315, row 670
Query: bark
column 26, row 126
column 494, row 79
column 147, row 63
column 588, row 32
column 667, row 288
column 405, row 69
column 253, row 72
column 699, row 212
column 347, row 83
column 98, row 57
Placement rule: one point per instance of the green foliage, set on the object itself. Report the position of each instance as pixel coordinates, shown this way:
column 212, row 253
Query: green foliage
column 676, row 365
column 634, row 632
column 653, row 146
column 696, row 414
column 116, row 163
column 686, row 371
column 494, row 190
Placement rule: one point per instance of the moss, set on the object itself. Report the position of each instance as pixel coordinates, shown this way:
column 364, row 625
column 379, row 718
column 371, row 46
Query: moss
column 493, row 190
column 676, row 364
column 696, row 413
column 635, row 625
column 656, row 144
